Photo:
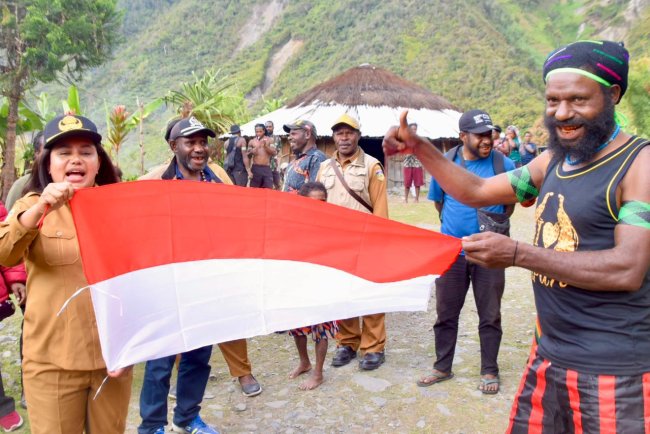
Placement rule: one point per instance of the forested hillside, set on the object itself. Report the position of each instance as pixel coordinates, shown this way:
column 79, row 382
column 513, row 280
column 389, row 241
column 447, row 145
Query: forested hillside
column 475, row 53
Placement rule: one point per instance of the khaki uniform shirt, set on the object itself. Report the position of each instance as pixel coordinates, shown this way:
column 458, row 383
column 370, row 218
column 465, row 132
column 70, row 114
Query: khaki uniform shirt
column 364, row 175
column 54, row 273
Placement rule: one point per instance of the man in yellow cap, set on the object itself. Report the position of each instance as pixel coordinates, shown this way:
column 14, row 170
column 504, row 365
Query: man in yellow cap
column 356, row 180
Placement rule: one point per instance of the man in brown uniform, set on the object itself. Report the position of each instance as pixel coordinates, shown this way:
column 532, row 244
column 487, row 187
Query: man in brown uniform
column 261, row 150
column 356, row 180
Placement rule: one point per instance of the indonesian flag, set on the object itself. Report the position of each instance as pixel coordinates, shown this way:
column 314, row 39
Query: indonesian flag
column 173, row 266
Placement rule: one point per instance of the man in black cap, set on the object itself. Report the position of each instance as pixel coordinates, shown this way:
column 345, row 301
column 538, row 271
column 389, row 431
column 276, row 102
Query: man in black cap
column 478, row 157
column 304, row 168
column 188, row 139
column 589, row 368
column 240, row 172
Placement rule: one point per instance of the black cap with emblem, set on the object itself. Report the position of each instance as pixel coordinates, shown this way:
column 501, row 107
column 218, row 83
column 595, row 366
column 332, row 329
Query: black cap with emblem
column 189, row 126
column 475, row 121
column 69, row 125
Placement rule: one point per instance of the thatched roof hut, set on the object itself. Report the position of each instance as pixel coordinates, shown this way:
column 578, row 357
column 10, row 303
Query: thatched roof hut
column 374, row 96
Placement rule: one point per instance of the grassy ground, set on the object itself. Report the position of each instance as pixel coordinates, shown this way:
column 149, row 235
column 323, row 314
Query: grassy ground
column 352, row 401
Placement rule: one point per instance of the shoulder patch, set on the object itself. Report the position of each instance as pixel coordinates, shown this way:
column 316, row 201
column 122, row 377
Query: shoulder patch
column 379, row 174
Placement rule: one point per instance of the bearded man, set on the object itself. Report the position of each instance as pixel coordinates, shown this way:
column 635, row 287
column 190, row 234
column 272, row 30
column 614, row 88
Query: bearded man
column 589, row 369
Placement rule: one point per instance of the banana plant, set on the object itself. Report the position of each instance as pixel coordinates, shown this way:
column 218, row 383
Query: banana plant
column 72, row 105
column 28, row 120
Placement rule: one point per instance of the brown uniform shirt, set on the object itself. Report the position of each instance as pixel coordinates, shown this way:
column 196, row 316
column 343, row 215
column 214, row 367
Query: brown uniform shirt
column 54, row 273
column 371, row 170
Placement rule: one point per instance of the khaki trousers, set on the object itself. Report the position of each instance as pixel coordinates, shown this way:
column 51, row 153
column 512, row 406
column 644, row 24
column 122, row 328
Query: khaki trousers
column 235, row 353
column 61, row 401
column 369, row 338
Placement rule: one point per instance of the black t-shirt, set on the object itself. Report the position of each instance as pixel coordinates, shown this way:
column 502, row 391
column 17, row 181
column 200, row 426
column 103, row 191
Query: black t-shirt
column 589, row 331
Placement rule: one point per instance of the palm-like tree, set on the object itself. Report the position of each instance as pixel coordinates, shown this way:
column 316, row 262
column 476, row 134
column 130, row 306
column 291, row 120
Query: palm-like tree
column 212, row 99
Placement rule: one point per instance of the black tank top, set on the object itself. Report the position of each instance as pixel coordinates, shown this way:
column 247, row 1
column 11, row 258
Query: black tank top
column 589, row 331
column 239, row 159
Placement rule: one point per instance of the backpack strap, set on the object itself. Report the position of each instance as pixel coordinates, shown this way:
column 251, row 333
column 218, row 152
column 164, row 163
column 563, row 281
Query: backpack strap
column 231, row 144
column 451, row 156
column 498, row 162
column 453, row 153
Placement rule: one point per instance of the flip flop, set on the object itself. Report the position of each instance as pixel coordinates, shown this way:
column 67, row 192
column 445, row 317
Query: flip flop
column 488, row 381
column 437, row 378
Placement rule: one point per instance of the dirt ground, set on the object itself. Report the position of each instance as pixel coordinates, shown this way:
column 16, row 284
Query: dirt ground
column 354, row 401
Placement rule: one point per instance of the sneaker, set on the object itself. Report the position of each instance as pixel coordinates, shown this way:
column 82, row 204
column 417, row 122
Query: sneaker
column 172, row 392
column 197, row 426
column 160, row 430
column 11, row 422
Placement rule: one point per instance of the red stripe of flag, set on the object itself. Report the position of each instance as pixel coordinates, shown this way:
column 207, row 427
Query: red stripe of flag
column 574, row 399
column 646, row 402
column 537, row 411
column 145, row 224
column 607, row 403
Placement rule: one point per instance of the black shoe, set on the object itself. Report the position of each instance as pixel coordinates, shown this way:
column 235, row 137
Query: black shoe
column 251, row 389
column 372, row 361
column 343, row 356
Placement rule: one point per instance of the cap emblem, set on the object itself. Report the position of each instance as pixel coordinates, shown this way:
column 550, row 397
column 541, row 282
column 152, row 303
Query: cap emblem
column 68, row 123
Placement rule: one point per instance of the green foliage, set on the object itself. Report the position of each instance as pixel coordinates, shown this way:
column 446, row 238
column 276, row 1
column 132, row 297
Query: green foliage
column 73, row 103
column 28, row 120
column 43, row 103
column 43, row 40
column 67, row 36
column 211, row 99
column 270, row 105
column 476, row 53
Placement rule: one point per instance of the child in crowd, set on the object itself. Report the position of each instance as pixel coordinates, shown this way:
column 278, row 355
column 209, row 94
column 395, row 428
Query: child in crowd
column 320, row 333
column 12, row 279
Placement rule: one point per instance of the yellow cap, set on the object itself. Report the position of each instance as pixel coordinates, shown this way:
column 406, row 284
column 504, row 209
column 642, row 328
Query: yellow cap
column 346, row 119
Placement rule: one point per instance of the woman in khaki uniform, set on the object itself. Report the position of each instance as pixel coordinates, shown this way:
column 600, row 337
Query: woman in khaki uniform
column 63, row 366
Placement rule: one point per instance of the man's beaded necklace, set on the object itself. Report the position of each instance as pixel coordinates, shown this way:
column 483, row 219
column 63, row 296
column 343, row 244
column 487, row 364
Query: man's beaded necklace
column 571, row 162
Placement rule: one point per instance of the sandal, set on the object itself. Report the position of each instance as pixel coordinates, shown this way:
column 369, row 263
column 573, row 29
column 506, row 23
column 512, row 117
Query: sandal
column 487, row 381
column 434, row 378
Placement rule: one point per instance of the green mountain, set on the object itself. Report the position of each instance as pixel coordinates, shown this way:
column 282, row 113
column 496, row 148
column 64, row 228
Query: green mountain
column 475, row 53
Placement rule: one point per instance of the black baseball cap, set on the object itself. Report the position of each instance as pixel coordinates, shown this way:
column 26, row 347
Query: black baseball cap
column 188, row 127
column 69, row 125
column 300, row 124
column 169, row 127
column 475, row 121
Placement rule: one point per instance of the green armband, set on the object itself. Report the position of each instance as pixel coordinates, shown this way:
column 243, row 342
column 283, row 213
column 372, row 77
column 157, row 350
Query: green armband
column 635, row 213
column 522, row 184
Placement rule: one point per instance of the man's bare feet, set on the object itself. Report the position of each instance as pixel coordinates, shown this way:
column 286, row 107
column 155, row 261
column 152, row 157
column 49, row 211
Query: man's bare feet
column 300, row 369
column 312, row 382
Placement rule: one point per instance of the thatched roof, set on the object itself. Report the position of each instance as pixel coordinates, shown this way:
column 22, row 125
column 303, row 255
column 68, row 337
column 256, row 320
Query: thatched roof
column 372, row 86
column 373, row 96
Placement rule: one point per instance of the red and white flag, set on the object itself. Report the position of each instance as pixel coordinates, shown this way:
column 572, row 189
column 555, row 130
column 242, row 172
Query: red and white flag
column 174, row 266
